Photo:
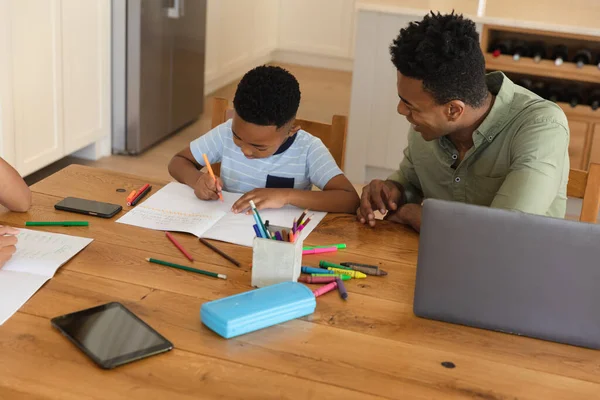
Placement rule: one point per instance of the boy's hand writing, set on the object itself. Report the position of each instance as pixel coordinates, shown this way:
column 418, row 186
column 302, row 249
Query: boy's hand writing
column 263, row 198
column 8, row 241
column 205, row 187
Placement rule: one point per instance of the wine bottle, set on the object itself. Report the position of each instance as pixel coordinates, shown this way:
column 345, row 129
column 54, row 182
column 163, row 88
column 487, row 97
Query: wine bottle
column 574, row 95
column 526, row 83
column 539, row 88
column 582, row 57
column 501, row 47
column 555, row 93
column 520, row 49
column 560, row 54
column 594, row 99
column 598, row 61
column 538, row 51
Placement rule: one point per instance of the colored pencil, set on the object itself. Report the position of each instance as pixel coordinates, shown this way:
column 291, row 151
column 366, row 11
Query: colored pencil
column 295, row 225
column 139, row 192
column 325, row 289
column 179, row 246
column 141, row 195
column 212, row 174
column 131, row 196
column 301, row 218
column 278, row 236
column 286, row 235
column 57, row 223
column 183, row 267
column 219, row 252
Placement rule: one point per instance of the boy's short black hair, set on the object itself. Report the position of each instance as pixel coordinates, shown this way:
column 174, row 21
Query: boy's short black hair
column 267, row 95
column 443, row 51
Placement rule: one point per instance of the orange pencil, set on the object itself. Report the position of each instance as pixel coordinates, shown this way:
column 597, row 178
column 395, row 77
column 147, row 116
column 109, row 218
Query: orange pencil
column 185, row 253
column 131, row 196
column 212, row 174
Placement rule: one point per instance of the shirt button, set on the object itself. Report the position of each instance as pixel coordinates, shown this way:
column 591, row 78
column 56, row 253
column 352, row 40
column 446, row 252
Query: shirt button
column 454, row 156
column 457, row 179
column 490, row 138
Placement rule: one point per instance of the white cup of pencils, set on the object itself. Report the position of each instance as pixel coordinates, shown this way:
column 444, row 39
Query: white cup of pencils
column 276, row 251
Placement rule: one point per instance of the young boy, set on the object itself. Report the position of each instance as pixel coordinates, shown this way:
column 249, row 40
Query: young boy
column 16, row 196
column 264, row 155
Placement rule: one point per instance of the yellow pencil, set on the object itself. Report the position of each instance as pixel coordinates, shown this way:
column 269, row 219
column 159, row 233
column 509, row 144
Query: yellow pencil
column 212, row 174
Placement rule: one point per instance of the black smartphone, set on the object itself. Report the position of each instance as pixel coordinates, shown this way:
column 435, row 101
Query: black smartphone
column 111, row 335
column 88, row 207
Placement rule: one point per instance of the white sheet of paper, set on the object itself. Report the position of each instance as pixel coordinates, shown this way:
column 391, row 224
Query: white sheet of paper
column 175, row 207
column 39, row 255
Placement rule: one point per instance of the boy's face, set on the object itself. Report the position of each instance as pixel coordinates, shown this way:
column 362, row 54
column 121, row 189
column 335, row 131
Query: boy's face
column 258, row 141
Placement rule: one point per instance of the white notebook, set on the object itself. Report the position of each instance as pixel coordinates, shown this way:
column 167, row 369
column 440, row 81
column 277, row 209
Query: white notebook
column 39, row 255
column 175, row 207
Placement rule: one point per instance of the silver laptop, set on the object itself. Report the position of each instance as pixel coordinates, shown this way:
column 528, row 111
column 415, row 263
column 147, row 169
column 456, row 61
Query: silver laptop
column 509, row 271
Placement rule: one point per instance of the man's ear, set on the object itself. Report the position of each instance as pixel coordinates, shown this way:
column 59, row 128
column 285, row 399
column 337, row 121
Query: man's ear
column 454, row 110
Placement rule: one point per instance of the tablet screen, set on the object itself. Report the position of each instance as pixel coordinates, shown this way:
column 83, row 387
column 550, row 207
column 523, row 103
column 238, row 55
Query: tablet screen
column 111, row 335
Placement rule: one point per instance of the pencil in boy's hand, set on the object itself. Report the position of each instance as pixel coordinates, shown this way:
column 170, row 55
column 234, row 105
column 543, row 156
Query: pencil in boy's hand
column 212, row 174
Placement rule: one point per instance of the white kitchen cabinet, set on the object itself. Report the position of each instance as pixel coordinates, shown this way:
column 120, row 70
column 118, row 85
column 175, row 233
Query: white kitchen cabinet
column 56, row 70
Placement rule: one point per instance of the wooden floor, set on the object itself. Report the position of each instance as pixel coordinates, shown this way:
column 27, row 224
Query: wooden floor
column 324, row 93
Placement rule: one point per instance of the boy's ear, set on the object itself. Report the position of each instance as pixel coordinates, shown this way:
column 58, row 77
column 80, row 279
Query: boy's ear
column 294, row 129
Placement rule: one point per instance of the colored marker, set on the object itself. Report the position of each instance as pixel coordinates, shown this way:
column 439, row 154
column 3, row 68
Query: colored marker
column 327, row 264
column 141, row 195
column 259, row 222
column 57, row 223
column 365, row 268
column 338, row 246
column 179, row 246
column 278, row 236
column 183, row 267
column 325, row 289
column 318, row 251
column 139, row 192
column 342, row 289
column 342, row 277
column 352, row 273
column 212, row 174
column 257, row 230
column 310, row 270
column 131, row 197
column 317, row 279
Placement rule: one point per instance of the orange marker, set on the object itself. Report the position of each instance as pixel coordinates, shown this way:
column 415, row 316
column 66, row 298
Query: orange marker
column 131, row 196
column 212, row 174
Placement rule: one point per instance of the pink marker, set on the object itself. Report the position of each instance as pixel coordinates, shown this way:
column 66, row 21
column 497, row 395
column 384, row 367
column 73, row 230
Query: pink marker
column 319, row 251
column 325, row 288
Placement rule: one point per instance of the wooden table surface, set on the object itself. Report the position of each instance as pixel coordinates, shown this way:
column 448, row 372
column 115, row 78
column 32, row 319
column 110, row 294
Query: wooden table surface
column 371, row 346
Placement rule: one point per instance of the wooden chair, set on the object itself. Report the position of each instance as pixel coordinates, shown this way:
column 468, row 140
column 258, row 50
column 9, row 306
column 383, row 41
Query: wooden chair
column 586, row 185
column 333, row 135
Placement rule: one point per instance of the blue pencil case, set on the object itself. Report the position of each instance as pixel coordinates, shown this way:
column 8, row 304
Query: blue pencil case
column 259, row 308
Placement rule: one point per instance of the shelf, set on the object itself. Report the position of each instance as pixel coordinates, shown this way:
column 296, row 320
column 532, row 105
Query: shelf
column 545, row 68
column 581, row 112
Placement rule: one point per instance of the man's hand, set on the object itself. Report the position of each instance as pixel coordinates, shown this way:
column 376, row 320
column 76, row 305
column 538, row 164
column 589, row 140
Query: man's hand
column 378, row 195
column 8, row 241
column 408, row 214
column 205, row 188
column 263, row 198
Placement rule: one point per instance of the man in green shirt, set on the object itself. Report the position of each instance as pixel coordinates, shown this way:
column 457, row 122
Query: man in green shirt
column 475, row 138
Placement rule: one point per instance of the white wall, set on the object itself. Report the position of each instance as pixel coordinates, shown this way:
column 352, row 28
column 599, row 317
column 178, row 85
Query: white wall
column 240, row 35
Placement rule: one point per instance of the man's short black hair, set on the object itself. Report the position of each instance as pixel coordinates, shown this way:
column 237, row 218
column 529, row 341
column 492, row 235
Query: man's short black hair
column 267, row 95
column 443, row 51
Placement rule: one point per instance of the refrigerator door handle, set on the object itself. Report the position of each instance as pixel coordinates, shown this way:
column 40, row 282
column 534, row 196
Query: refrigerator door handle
column 177, row 10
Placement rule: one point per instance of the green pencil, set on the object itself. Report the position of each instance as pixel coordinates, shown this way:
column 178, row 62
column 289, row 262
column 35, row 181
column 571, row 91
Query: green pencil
column 183, row 267
column 338, row 246
column 57, row 223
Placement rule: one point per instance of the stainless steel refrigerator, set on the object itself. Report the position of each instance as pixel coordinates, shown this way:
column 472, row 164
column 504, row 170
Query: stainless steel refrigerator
column 158, row 49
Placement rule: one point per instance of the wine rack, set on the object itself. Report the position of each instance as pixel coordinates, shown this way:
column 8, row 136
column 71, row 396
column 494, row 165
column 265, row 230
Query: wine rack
column 584, row 122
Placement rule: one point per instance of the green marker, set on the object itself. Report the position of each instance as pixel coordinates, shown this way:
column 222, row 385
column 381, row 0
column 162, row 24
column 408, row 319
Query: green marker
column 183, row 267
column 57, row 223
column 342, row 277
column 327, row 264
column 338, row 246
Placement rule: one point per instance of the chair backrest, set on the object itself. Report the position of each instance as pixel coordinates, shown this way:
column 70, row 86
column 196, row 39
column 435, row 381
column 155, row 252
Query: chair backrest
column 333, row 135
column 586, row 185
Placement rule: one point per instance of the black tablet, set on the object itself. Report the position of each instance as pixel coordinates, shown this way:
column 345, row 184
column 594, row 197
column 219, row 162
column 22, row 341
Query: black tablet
column 111, row 335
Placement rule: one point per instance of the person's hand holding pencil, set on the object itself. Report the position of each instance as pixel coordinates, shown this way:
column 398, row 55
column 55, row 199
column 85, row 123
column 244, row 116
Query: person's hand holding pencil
column 218, row 184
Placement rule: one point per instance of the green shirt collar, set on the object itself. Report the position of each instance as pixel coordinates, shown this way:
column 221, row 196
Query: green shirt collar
column 504, row 90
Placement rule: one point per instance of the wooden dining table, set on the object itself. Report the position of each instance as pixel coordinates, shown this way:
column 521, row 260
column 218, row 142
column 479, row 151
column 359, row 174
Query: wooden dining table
column 371, row 346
